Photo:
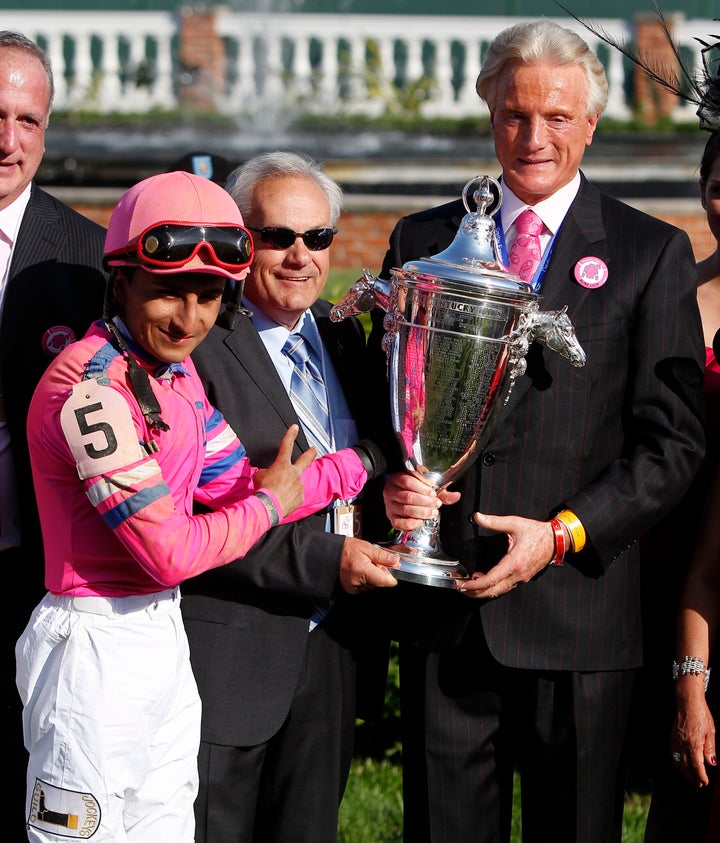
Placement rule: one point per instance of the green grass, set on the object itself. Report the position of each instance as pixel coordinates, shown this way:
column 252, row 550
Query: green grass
column 371, row 811
column 636, row 808
column 339, row 282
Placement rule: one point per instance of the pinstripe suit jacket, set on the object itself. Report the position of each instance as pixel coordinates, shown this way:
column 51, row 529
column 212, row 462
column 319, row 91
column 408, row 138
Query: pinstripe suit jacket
column 247, row 622
column 55, row 279
column 617, row 441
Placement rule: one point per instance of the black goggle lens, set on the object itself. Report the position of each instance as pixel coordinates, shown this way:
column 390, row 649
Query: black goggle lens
column 316, row 239
column 174, row 244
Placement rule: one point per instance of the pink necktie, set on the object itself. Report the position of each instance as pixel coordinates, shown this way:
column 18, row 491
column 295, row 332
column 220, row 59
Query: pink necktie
column 525, row 253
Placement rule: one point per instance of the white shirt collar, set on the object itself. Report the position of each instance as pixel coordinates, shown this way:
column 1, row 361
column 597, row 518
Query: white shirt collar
column 274, row 335
column 551, row 211
column 11, row 216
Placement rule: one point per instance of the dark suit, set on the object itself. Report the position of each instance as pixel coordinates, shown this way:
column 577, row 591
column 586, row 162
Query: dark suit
column 257, row 665
column 618, row 442
column 55, row 280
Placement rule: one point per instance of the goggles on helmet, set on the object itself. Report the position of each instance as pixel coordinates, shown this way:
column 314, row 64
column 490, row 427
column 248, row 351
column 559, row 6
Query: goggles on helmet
column 173, row 245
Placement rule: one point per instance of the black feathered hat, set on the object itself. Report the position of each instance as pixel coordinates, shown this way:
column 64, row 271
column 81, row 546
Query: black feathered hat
column 703, row 90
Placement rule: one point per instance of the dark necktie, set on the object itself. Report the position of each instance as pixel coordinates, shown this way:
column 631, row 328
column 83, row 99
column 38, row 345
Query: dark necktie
column 309, row 394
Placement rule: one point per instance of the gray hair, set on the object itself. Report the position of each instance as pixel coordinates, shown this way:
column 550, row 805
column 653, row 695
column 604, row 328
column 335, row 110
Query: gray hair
column 18, row 41
column 242, row 180
column 536, row 42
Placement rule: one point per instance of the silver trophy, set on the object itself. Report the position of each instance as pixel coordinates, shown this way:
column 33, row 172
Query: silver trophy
column 458, row 326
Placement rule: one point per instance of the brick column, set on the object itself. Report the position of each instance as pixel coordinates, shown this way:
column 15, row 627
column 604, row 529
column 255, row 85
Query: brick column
column 652, row 101
column 202, row 53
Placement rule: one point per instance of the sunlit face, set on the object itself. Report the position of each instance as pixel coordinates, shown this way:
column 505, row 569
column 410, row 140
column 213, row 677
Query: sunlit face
column 541, row 127
column 169, row 315
column 283, row 283
column 710, row 198
column 24, row 110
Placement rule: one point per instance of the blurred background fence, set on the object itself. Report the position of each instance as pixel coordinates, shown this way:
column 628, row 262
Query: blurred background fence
column 137, row 89
column 263, row 64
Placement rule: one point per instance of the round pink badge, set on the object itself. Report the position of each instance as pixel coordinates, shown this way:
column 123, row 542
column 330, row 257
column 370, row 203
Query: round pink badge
column 591, row 272
column 56, row 338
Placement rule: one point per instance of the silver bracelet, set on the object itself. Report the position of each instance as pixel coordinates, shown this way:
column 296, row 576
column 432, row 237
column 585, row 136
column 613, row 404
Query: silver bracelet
column 269, row 504
column 692, row 666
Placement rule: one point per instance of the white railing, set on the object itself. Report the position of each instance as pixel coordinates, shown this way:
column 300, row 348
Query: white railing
column 106, row 61
column 281, row 65
column 367, row 64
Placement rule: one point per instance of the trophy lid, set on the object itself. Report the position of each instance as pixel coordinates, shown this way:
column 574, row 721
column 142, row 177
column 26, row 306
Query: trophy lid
column 473, row 257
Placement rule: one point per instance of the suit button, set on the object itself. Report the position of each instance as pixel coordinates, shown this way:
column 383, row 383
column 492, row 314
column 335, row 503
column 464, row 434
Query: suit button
column 488, row 458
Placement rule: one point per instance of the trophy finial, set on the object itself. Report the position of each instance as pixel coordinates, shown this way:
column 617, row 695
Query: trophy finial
column 474, row 249
column 487, row 200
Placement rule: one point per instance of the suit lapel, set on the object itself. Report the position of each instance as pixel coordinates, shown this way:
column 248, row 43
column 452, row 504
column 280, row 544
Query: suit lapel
column 343, row 343
column 582, row 234
column 38, row 240
column 38, row 235
column 328, row 333
column 246, row 346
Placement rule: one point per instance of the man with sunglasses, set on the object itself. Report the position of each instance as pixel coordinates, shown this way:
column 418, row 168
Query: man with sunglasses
column 123, row 442
column 280, row 640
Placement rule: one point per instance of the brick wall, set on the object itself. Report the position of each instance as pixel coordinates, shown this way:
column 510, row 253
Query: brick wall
column 363, row 238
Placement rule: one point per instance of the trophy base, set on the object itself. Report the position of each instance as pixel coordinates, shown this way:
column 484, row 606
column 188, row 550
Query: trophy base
column 419, row 568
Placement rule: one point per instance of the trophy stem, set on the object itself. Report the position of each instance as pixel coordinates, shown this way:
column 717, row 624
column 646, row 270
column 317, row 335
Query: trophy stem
column 422, row 558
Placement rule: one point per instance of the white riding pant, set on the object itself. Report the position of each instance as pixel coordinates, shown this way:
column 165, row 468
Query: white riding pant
column 111, row 720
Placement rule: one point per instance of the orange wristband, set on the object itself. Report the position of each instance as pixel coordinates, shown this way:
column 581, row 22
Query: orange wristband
column 575, row 528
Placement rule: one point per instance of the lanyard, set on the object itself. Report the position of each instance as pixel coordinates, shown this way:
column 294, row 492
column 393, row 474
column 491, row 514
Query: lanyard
column 539, row 276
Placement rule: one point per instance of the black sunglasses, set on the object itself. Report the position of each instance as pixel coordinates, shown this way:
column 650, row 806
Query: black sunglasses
column 316, row 239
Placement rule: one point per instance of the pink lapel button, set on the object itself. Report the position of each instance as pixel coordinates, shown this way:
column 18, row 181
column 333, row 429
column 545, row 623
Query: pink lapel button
column 56, row 338
column 591, row 272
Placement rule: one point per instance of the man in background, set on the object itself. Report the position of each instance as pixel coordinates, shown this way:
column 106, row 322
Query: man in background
column 280, row 640
column 206, row 164
column 51, row 289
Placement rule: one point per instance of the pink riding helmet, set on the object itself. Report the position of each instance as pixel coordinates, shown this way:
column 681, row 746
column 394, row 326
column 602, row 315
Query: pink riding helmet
column 189, row 202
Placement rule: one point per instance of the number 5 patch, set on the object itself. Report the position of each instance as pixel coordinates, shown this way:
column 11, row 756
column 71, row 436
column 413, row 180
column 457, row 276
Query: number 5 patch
column 99, row 429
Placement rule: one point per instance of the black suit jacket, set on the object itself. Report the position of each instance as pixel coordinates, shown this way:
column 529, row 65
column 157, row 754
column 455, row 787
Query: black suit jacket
column 247, row 622
column 55, row 280
column 617, row 441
